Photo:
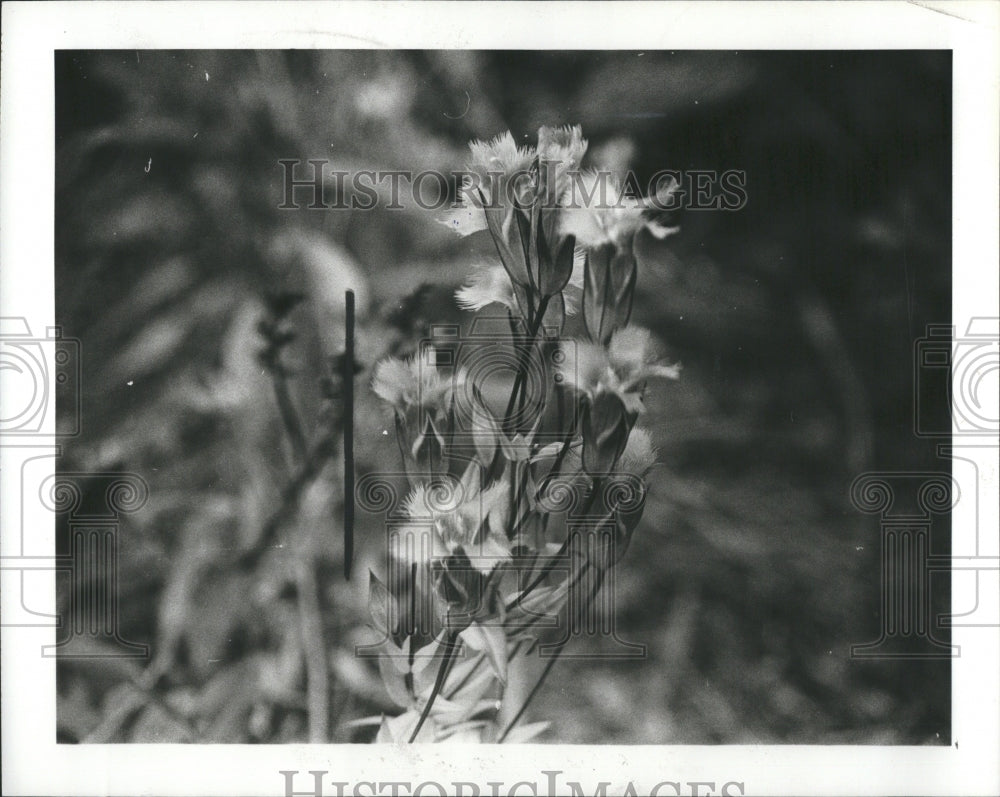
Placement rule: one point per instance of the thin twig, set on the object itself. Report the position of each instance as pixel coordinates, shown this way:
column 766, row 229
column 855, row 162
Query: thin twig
column 290, row 496
column 524, row 357
column 348, row 429
column 289, row 415
column 313, row 648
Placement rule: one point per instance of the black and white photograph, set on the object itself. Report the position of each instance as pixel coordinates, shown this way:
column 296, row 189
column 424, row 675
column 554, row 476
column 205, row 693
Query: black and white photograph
column 571, row 402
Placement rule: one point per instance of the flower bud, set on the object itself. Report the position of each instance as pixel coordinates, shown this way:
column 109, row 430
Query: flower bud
column 608, row 289
column 606, row 426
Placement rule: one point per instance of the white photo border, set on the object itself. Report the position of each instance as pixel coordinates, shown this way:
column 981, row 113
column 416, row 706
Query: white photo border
column 35, row 764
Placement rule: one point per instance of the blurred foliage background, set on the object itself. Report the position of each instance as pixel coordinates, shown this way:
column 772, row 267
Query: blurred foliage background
column 795, row 319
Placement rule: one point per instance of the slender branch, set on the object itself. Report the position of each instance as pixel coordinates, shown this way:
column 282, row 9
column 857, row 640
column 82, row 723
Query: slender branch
column 314, row 649
column 347, row 424
column 290, row 496
column 524, row 357
column 289, row 415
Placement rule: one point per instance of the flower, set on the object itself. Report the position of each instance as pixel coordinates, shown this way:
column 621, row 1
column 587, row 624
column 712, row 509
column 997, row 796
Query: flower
column 501, row 154
column 622, row 368
column 599, row 212
column 484, row 286
column 410, row 383
column 515, row 193
column 563, row 145
column 493, row 163
column 464, row 522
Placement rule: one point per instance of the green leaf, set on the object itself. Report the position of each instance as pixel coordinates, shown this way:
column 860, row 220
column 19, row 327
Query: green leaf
column 471, row 691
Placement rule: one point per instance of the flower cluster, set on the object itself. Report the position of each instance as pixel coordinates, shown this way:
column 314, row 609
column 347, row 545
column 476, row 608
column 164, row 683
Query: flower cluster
column 499, row 488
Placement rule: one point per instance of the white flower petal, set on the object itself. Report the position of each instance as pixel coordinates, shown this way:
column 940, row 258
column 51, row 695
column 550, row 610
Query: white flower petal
column 639, row 454
column 391, row 379
column 660, row 231
column 564, row 145
column 584, row 365
column 487, row 285
column 500, row 154
column 629, row 349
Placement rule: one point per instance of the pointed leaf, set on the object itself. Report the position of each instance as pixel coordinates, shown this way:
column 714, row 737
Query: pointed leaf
column 395, row 681
column 428, row 653
column 470, row 691
column 486, row 432
column 384, row 735
column 402, row 727
column 492, row 641
column 381, row 605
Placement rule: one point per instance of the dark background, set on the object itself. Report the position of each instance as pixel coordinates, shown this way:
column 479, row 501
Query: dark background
column 795, row 319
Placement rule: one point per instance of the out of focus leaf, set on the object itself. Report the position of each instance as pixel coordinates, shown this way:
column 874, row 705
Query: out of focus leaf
column 492, row 641
column 525, row 733
column 394, row 680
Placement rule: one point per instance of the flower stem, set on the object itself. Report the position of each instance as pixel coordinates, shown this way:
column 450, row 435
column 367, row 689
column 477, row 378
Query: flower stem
column 289, row 415
column 313, row 648
column 450, row 649
column 524, row 357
